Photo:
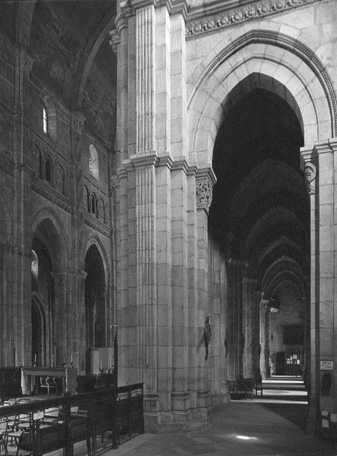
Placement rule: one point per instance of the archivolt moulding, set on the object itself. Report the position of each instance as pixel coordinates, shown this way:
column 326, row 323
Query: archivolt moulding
column 216, row 82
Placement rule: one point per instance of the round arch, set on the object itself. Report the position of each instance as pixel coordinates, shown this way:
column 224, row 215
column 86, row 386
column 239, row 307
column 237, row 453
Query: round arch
column 275, row 62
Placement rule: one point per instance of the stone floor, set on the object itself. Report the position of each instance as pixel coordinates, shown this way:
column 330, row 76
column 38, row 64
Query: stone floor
column 240, row 428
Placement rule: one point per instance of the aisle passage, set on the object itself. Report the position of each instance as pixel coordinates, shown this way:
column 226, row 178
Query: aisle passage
column 240, row 428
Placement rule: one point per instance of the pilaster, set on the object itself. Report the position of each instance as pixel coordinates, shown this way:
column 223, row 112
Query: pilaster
column 205, row 180
column 249, row 324
column 145, row 78
column 236, row 270
column 21, row 292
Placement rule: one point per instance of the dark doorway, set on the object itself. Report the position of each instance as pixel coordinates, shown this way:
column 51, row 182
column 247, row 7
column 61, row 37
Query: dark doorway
column 38, row 335
column 95, row 299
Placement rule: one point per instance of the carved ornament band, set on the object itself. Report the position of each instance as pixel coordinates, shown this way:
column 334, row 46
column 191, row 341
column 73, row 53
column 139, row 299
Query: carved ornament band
column 198, row 24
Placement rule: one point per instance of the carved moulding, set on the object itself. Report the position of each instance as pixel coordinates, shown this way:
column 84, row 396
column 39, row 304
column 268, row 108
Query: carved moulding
column 232, row 16
column 205, row 180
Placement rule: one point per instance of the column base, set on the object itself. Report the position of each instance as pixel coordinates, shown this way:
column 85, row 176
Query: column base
column 312, row 425
column 185, row 413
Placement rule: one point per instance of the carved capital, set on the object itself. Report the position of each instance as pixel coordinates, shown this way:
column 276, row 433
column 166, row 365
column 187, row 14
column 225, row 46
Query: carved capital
column 114, row 181
column 114, row 39
column 77, row 122
column 310, row 173
column 27, row 62
column 205, row 180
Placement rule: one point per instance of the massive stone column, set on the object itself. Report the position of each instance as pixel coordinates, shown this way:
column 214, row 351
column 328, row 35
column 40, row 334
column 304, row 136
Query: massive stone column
column 218, row 305
column 161, row 216
column 319, row 169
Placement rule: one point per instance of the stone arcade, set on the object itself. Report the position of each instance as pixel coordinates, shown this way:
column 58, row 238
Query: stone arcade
column 169, row 167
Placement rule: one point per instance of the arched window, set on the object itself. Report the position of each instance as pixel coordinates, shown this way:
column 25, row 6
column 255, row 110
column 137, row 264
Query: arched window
column 102, row 210
column 40, row 165
column 48, row 170
column 60, row 179
column 44, row 120
column 93, row 162
column 87, row 196
column 94, row 208
column 35, row 270
column 35, row 265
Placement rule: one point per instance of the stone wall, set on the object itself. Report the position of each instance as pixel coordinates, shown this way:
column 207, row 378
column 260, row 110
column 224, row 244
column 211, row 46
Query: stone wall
column 46, row 185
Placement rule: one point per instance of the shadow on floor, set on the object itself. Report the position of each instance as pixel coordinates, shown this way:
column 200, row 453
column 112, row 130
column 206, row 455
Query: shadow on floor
column 292, row 412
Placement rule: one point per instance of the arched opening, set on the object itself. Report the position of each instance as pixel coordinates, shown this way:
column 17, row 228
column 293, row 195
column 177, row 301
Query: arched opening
column 42, row 304
column 95, row 300
column 47, row 324
column 260, row 220
column 48, row 170
column 93, row 162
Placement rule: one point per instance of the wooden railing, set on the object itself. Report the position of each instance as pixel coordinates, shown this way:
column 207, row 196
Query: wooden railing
column 41, row 426
column 10, row 382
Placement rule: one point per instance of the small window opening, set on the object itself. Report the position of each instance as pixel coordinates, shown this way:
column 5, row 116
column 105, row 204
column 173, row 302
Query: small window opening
column 93, row 204
column 93, row 162
column 44, row 120
column 35, row 265
column 40, row 165
column 48, row 170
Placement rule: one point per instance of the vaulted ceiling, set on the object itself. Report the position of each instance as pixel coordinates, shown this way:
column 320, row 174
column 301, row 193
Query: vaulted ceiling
column 68, row 41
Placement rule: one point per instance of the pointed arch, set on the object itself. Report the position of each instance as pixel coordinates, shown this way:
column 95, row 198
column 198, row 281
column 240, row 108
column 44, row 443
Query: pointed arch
column 299, row 77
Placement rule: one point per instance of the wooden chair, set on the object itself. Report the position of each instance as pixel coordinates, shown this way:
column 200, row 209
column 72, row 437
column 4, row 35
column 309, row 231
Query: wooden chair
column 3, row 436
column 48, row 383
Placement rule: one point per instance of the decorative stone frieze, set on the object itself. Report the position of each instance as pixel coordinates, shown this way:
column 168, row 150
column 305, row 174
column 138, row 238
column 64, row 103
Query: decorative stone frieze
column 204, row 188
column 198, row 24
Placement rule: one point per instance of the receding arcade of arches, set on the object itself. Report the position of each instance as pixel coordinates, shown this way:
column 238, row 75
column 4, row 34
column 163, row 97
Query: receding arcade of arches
column 260, row 221
column 95, row 301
